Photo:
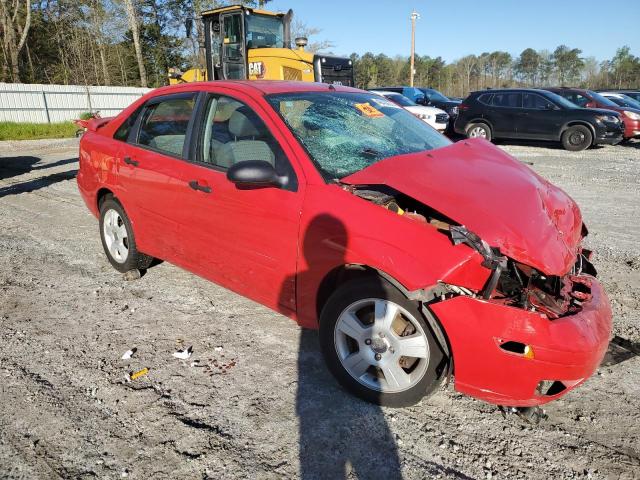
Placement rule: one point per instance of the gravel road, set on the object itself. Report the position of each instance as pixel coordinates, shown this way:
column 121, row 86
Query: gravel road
column 254, row 400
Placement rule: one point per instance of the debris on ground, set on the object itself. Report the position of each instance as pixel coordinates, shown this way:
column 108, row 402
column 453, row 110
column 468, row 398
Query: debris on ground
column 129, row 353
column 138, row 374
column 184, row 354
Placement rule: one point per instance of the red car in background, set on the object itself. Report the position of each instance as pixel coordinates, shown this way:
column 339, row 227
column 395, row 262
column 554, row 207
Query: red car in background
column 338, row 208
column 590, row 99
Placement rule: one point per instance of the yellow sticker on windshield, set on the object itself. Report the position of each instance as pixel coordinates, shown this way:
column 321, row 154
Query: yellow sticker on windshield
column 369, row 110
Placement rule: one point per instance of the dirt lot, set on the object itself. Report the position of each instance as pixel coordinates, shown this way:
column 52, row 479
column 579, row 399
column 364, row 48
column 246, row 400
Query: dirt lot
column 66, row 318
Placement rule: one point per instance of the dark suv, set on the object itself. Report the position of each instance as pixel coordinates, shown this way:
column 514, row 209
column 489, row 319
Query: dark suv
column 536, row 115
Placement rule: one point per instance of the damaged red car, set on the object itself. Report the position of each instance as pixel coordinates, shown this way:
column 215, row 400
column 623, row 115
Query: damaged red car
column 417, row 259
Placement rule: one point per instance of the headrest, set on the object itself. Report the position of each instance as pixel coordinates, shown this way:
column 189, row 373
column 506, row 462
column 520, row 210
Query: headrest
column 241, row 124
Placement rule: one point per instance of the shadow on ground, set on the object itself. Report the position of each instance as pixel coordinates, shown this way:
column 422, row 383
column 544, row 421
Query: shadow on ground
column 16, row 166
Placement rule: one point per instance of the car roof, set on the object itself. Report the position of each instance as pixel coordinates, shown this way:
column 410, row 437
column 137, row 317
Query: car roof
column 263, row 87
column 499, row 90
column 572, row 89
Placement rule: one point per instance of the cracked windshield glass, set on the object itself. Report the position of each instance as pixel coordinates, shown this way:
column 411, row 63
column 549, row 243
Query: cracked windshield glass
column 347, row 132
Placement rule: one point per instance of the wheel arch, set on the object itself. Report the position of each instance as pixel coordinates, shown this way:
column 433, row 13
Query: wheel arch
column 583, row 123
column 345, row 273
column 101, row 196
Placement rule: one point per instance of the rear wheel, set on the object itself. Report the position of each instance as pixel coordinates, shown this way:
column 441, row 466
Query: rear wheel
column 479, row 130
column 577, row 138
column 118, row 240
column 378, row 345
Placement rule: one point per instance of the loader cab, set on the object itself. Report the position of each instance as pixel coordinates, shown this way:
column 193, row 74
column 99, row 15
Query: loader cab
column 244, row 43
column 231, row 33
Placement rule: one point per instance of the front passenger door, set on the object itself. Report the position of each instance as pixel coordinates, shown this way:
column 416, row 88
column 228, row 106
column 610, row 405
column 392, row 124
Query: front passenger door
column 245, row 239
column 541, row 119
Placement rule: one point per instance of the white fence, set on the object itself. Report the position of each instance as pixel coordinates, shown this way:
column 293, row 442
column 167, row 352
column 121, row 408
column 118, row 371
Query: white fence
column 21, row 102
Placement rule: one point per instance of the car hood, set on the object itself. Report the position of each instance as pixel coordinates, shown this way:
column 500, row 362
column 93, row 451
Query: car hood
column 425, row 110
column 491, row 193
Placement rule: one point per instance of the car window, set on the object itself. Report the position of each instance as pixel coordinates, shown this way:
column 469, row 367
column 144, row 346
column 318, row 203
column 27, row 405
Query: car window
column 232, row 132
column 347, row 132
column 485, row 98
column 412, row 93
column 164, row 124
column 535, row 102
column 578, row 99
column 400, row 100
column 507, row 99
column 123, row 131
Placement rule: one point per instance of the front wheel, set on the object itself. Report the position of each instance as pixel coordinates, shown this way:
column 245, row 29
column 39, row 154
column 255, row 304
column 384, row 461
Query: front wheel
column 377, row 344
column 479, row 130
column 577, row 138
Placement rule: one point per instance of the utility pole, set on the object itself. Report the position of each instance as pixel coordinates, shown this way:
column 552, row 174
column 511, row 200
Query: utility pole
column 414, row 16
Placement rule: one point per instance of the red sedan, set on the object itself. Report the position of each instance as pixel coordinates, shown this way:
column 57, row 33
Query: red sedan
column 416, row 258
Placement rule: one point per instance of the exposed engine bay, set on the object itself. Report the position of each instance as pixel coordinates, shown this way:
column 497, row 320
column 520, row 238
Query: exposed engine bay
column 511, row 283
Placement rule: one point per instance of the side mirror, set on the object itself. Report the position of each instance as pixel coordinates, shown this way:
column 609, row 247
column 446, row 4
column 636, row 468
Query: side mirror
column 255, row 173
column 590, row 105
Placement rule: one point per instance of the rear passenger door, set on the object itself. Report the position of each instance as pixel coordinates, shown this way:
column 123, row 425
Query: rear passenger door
column 149, row 168
column 243, row 238
column 503, row 113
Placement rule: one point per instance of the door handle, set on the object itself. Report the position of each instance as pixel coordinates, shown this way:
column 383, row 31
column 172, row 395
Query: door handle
column 196, row 186
column 131, row 162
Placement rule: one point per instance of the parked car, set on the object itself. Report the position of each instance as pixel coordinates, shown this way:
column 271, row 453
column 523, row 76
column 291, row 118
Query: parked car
column 622, row 100
column 536, row 115
column 591, row 99
column 635, row 94
column 428, row 97
column 337, row 210
column 435, row 117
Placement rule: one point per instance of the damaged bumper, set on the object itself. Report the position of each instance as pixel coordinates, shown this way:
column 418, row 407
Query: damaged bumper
column 511, row 356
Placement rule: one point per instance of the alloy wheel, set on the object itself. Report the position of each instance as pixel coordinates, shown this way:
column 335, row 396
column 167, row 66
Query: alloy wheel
column 116, row 236
column 381, row 345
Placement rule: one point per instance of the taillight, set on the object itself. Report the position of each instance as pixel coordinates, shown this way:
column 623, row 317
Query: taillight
column 463, row 107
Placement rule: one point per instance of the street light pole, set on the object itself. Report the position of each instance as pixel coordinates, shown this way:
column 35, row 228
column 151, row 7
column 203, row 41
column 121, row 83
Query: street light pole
column 414, row 16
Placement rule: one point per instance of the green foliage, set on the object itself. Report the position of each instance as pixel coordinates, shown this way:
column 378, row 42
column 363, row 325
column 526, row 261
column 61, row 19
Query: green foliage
column 30, row 131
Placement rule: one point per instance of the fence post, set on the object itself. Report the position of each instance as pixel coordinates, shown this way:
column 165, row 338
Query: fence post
column 46, row 107
column 89, row 98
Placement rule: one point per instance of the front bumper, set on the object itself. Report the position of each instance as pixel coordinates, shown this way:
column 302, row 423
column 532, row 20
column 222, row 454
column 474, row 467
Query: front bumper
column 568, row 349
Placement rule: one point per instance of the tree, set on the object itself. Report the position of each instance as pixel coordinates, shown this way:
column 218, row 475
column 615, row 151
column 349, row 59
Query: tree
column 527, row 65
column 568, row 63
column 15, row 20
column 132, row 15
column 301, row 29
column 626, row 67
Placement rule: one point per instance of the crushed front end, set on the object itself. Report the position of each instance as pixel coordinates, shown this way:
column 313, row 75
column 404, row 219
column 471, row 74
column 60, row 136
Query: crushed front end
column 526, row 338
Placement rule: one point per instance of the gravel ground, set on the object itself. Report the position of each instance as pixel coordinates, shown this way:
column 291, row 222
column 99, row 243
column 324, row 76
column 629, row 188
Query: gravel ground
column 260, row 404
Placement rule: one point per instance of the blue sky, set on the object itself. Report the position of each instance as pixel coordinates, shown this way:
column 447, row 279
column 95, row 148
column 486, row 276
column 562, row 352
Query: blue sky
column 454, row 28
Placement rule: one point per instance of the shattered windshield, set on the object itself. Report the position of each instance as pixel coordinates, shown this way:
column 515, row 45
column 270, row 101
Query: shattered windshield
column 346, row 132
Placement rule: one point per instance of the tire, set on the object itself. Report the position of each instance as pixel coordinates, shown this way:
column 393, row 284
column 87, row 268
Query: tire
column 479, row 130
column 577, row 138
column 360, row 307
column 118, row 238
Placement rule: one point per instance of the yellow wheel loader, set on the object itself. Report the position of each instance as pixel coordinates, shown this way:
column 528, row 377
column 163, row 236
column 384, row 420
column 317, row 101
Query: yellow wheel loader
column 244, row 43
